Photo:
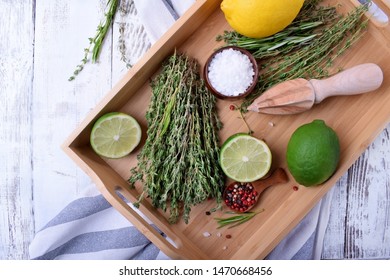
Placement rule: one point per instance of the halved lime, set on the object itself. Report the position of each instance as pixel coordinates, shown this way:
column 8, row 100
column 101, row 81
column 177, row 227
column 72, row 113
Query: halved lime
column 115, row 135
column 245, row 158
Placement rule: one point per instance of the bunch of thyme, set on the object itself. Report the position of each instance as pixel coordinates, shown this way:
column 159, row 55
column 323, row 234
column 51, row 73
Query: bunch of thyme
column 315, row 59
column 95, row 43
column 309, row 24
column 177, row 163
column 305, row 49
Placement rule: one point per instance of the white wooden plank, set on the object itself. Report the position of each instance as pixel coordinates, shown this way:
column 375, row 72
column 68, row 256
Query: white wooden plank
column 334, row 237
column 16, row 74
column 130, row 40
column 369, row 189
column 359, row 227
column 62, row 32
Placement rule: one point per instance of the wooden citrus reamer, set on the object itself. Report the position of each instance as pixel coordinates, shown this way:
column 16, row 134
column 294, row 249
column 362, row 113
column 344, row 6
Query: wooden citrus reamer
column 299, row 95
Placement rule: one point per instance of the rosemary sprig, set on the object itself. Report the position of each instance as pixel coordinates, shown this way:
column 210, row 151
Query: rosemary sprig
column 309, row 24
column 95, row 43
column 177, row 163
column 315, row 59
column 237, row 219
column 305, row 49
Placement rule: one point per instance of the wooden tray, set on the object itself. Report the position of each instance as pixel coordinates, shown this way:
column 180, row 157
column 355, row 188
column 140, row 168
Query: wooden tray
column 357, row 120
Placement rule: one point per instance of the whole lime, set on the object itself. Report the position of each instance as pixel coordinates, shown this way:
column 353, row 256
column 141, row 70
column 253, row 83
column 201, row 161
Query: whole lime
column 313, row 153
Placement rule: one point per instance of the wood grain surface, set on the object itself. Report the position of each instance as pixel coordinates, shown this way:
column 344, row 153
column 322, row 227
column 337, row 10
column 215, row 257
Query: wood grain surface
column 16, row 76
column 42, row 43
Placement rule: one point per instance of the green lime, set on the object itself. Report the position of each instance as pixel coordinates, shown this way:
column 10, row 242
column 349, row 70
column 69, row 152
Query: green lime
column 115, row 135
column 313, row 153
column 245, row 158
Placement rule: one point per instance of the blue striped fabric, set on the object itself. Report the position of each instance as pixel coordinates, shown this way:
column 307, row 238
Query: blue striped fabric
column 106, row 240
column 78, row 209
column 89, row 228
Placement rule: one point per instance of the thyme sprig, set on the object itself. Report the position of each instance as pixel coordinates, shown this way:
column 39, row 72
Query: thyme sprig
column 177, row 163
column 315, row 59
column 95, row 43
column 237, row 219
column 305, row 49
column 308, row 25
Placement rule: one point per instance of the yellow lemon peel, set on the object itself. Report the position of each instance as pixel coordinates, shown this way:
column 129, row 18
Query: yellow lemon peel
column 260, row 18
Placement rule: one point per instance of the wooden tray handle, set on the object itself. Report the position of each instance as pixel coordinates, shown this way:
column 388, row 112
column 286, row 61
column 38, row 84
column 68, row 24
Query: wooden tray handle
column 173, row 250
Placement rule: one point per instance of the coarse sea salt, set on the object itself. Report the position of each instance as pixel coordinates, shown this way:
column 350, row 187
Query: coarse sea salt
column 230, row 72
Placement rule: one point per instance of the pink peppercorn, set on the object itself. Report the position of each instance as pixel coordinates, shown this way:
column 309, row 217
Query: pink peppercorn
column 240, row 196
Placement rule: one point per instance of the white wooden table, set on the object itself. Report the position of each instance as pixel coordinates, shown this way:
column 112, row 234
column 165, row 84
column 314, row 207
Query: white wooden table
column 41, row 43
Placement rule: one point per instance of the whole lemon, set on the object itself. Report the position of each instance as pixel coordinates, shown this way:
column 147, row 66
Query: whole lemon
column 313, row 153
column 260, row 18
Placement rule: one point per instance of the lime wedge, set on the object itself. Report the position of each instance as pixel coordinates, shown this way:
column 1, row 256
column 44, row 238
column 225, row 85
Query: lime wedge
column 245, row 158
column 115, row 135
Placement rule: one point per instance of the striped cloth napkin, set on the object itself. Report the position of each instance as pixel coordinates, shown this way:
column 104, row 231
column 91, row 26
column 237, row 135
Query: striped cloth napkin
column 89, row 228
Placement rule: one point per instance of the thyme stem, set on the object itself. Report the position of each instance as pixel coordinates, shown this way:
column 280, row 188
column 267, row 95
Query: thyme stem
column 95, row 43
column 307, row 26
column 305, row 49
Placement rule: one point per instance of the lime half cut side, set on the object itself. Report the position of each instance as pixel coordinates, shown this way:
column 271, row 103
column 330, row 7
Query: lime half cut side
column 245, row 158
column 115, row 135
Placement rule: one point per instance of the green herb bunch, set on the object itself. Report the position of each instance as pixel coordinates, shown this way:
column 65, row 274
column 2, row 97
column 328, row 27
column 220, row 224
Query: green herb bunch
column 309, row 24
column 95, row 43
column 313, row 61
column 305, row 49
column 177, row 163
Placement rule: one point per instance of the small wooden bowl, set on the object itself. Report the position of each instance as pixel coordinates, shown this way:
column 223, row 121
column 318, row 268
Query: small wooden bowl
column 248, row 90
